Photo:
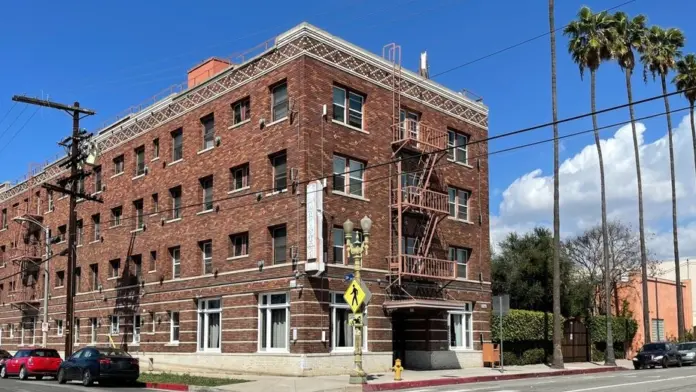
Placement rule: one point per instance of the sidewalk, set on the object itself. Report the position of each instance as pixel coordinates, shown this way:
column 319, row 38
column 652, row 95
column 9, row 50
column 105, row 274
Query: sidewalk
column 412, row 378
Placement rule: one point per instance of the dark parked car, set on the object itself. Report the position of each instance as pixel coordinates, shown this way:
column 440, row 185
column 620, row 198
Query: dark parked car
column 32, row 362
column 4, row 355
column 657, row 354
column 688, row 352
column 101, row 364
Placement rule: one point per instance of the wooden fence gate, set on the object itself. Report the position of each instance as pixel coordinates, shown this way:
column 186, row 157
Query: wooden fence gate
column 576, row 347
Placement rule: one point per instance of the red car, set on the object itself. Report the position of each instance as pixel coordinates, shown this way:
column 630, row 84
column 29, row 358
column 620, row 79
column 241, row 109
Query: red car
column 32, row 362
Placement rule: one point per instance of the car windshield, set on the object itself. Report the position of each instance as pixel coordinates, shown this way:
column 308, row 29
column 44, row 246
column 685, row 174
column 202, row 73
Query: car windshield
column 113, row 352
column 45, row 353
column 654, row 347
column 687, row 346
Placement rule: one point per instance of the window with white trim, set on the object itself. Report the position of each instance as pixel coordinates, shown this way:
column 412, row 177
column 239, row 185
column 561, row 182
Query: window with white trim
column 174, row 327
column 348, row 176
column 59, row 327
column 175, row 196
column 116, row 214
column 279, row 101
column 206, row 193
column 96, row 227
column 175, row 254
column 177, row 145
column 114, row 328
column 208, row 123
column 461, row 257
column 461, row 333
column 348, row 107
column 140, row 161
column 274, row 325
column 342, row 333
column 457, row 146
column 339, row 241
column 409, row 124
column 139, row 207
column 239, row 177
column 114, row 266
column 94, row 325
column 76, row 329
column 459, row 203
column 279, row 239
column 238, row 245
column 207, row 254
column 209, row 325
column 241, row 111
column 279, row 162
column 118, row 164
column 136, row 329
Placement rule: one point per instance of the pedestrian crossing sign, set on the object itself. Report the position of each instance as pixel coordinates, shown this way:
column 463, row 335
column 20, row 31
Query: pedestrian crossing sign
column 356, row 295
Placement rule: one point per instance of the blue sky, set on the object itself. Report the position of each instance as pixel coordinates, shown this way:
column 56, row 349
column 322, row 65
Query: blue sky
column 110, row 55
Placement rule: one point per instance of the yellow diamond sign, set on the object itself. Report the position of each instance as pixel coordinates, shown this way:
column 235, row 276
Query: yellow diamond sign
column 356, row 295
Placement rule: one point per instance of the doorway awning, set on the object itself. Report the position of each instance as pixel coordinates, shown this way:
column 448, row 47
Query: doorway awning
column 425, row 304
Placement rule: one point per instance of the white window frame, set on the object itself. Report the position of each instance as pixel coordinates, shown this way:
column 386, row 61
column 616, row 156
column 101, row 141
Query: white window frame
column 275, row 117
column 208, row 134
column 207, row 188
column 349, row 174
column 458, row 206
column 176, row 194
column 119, row 164
column 454, row 150
column 340, row 245
column 117, row 330
column 94, row 329
column 177, row 134
column 413, row 119
column 173, row 326
column 276, row 173
column 139, row 206
column 96, row 223
column 232, row 251
column 207, row 260
column 176, row 261
column 243, row 171
column 244, row 106
column 76, row 328
column 452, row 254
column 205, row 311
column 335, row 305
column 59, row 327
column 136, row 329
column 467, row 330
column 113, row 272
column 268, row 307
column 139, row 161
column 347, row 110
column 51, row 203
column 116, row 220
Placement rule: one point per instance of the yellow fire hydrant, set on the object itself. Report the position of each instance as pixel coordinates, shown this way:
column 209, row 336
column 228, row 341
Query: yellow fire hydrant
column 397, row 369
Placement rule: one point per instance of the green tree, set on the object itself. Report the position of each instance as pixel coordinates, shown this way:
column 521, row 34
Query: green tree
column 686, row 82
column 629, row 36
column 590, row 38
column 557, row 326
column 659, row 55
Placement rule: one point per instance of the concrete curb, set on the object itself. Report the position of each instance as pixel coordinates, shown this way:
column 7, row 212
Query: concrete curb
column 391, row 386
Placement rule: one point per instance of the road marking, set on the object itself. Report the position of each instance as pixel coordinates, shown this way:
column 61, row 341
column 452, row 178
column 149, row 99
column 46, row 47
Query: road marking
column 630, row 383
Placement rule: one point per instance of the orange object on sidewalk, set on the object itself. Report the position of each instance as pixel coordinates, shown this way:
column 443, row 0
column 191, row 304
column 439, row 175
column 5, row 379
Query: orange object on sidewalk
column 491, row 354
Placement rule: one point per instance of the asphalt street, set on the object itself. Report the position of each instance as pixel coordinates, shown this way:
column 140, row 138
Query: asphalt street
column 650, row 380
column 31, row 385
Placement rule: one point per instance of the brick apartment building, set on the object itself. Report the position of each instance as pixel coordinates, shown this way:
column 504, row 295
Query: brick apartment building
column 199, row 257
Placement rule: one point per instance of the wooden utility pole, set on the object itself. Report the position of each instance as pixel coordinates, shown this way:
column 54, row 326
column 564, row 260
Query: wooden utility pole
column 75, row 157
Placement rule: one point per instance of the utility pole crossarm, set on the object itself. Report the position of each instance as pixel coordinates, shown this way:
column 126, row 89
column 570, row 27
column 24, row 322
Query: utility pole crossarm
column 51, row 104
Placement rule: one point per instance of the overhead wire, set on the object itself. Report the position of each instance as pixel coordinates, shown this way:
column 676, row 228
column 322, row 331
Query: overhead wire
column 13, row 121
column 7, row 113
column 19, row 130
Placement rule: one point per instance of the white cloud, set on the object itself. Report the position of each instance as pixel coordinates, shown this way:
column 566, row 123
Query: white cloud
column 528, row 200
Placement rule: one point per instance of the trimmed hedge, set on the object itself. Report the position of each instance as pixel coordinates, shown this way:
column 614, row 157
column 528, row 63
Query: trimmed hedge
column 522, row 326
column 623, row 329
column 529, row 357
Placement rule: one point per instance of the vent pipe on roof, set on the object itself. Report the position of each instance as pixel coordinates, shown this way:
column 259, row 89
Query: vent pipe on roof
column 423, row 70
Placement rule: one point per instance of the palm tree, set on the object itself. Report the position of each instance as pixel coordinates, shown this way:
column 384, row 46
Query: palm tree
column 590, row 40
column 557, row 333
column 629, row 35
column 660, row 53
column 686, row 82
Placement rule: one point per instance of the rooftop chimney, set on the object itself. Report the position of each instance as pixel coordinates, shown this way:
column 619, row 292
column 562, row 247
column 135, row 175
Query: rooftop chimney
column 423, row 70
column 206, row 70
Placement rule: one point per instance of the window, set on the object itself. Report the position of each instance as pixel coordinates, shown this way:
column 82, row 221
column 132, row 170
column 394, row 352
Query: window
column 138, row 205
column 279, row 101
column 136, row 329
column 174, row 327
column 280, row 175
column 59, row 327
column 207, row 254
column 208, row 123
column 409, row 124
column 94, row 277
column 114, row 330
column 80, row 187
column 96, row 225
column 3, row 250
column 153, row 260
column 78, row 280
column 279, row 237
column 155, row 148
column 461, row 256
column 239, row 245
column 461, row 334
column 348, row 176
column 76, row 328
column 114, row 266
column 408, row 245
column 62, row 230
column 3, row 219
column 175, row 254
column 60, row 279
column 457, row 147
column 274, row 313
column 207, row 193
column 459, row 203
column 239, row 177
column 116, row 214
column 348, row 108
column 93, row 322
column 80, row 232
column 140, row 161
column 137, row 265
column 209, row 328
column 175, row 194
column 241, row 111
column 657, row 330
column 37, row 197
column 339, row 240
column 342, row 337
column 49, row 194
column 118, row 164
column 177, row 145
column 155, row 203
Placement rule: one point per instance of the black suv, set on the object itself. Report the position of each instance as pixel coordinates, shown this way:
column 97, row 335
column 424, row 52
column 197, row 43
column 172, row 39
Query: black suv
column 657, row 354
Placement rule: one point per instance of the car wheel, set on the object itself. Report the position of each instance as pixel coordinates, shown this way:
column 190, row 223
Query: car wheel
column 665, row 363
column 87, row 378
column 61, row 377
column 3, row 372
column 23, row 373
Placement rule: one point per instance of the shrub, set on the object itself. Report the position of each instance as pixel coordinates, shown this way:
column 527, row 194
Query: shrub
column 533, row 356
column 624, row 329
column 522, row 325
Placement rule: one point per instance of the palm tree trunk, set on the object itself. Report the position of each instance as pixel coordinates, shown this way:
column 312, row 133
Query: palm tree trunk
column 557, row 332
column 609, row 359
column 675, row 233
column 641, row 224
column 693, row 129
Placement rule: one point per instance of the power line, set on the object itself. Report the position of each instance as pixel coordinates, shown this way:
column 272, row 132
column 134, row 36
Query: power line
column 19, row 130
column 497, row 52
column 8, row 112
column 13, row 121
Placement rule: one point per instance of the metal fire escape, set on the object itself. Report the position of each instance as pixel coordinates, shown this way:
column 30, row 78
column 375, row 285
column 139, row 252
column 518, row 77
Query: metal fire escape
column 418, row 202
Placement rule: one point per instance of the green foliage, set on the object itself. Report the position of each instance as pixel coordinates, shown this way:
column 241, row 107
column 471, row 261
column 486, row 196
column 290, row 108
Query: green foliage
column 532, row 356
column 624, row 329
column 186, row 379
column 522, row 325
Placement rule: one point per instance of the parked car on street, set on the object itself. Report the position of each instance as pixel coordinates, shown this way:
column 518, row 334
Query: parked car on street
column 688, row 352
column 32, row 362
column 101, row 364
column 657, row 354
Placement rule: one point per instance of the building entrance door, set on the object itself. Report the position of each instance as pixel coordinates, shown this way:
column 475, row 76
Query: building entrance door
column 399, row 338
